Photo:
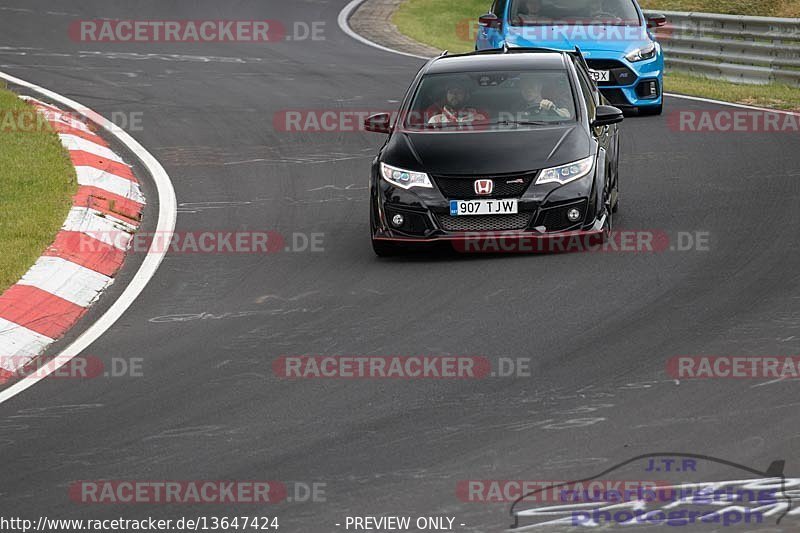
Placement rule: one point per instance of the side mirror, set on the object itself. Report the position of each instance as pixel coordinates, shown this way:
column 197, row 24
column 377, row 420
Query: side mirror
column 607, row 115
column 656, row 21
column 380, row 123
column 489, row 20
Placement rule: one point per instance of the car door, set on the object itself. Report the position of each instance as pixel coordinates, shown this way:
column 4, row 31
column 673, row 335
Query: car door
column 492, row 34
column 605, row 135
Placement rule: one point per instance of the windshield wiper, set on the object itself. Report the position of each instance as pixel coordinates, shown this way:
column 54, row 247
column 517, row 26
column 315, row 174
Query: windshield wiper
column 443, row 125
column 525, row 123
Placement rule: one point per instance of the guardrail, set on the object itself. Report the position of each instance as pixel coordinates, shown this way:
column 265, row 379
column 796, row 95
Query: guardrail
column 731, row 47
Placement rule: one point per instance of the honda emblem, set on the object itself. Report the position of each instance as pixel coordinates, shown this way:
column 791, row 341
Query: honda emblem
column 484, row 187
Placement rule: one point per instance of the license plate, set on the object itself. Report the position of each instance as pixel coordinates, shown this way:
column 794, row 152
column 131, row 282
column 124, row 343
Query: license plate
column 600, row 75
column 483, row 207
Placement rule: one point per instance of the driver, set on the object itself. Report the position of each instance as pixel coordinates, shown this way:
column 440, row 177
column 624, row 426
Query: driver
column 454, row 108
column 533, row 101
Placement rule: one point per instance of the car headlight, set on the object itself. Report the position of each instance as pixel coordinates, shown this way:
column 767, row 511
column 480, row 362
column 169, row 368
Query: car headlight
column 641, row 54
column 405, row 179
column 566, row 173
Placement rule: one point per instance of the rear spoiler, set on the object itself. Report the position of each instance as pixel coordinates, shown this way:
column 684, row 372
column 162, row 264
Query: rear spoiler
column 576, row 52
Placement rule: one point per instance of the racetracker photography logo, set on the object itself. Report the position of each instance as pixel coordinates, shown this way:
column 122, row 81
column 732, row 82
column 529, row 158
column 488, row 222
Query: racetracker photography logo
column 760, row 496
column 194, row 31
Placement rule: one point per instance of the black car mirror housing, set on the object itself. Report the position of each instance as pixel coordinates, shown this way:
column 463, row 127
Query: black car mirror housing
column 607, row 115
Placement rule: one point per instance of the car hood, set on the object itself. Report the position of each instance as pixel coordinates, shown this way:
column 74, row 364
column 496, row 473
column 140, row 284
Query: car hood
column 490, row 153
column 619, row 39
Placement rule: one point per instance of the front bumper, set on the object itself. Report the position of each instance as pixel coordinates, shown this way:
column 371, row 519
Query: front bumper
column 632, row 85
column 515, row 242
column 541, row 218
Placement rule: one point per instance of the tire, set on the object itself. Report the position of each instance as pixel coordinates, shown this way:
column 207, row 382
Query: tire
column 609, row 225
column 385, row 248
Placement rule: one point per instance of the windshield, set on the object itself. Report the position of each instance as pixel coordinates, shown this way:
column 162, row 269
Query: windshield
column 557, row 12
column 492, row 100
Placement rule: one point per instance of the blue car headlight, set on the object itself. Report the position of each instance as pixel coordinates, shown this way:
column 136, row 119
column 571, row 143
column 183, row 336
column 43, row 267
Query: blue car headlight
column 641, row 54
column 566, row 173
column 405, row 179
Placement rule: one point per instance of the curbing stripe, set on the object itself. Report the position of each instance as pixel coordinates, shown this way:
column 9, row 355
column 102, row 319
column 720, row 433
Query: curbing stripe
column 66, row 129
column 108, row 203
column 87, row 251
column 74, row 143
column 85, row 159
column 39, row 311
column 167, row 215
column 95, row 177
column 89, row 220
column 66, row 280
column 71, row 274
column 18, row 343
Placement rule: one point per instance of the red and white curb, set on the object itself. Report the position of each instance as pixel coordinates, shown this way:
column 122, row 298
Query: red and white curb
column 80, row 264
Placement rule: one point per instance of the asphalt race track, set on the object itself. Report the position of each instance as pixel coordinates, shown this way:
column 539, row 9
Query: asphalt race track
column 598, row 328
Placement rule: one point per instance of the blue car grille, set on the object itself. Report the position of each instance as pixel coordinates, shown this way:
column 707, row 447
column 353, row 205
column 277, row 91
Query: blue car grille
column 619, row 73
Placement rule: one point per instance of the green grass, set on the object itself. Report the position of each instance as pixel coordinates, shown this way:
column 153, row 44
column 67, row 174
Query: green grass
column 773, row 96
column 443, row 25
column 37, row 181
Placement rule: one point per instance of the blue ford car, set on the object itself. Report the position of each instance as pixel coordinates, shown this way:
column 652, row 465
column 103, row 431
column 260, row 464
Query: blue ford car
column 615, row 37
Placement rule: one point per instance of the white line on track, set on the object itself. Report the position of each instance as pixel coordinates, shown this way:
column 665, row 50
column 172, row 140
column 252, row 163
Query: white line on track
column 349, row 9
column 344, row 16
column 167, row 214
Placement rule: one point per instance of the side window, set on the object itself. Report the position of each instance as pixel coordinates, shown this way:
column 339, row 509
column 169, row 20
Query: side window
column 493, row 9
column 588, row 92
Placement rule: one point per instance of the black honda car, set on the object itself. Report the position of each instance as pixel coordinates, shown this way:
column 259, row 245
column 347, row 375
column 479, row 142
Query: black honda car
column 517, row 143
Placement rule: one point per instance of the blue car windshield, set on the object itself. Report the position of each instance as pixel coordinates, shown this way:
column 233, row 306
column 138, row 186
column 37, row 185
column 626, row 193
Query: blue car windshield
column 492, row 100
column 574, row 12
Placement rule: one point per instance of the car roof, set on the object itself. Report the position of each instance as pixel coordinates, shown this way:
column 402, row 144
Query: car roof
column 497, row 60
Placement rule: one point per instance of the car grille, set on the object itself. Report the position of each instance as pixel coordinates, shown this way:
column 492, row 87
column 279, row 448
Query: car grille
column 620, row 74
column 460, row 188
column 485, row 222
column 615, row 97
